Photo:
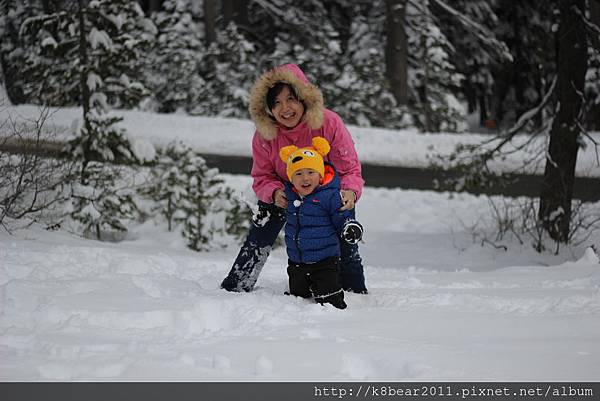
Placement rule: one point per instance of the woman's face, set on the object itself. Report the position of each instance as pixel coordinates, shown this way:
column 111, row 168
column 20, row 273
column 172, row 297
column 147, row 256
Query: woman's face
column 287, row 110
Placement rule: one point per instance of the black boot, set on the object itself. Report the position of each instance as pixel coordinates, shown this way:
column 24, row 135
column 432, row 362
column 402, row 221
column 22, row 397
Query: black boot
column 336, row 300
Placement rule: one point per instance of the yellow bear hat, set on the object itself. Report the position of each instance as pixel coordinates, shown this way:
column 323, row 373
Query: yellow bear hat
column 309, row 157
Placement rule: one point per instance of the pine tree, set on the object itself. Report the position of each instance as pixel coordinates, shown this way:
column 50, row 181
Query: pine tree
column 99, row 206
column 363, row 96
column 115, row 35
column 12, row 15
column 592, row 82
column 174, row 63
column 478, row 55
column 201, row 190
column 197, row 198
column 521, row 81
column 229, row 68
column 168, row 183
column 592, row 86
column 433, row 75
column 90, row 52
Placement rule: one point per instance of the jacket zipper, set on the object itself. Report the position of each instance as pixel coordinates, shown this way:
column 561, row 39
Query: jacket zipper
column 297, row 237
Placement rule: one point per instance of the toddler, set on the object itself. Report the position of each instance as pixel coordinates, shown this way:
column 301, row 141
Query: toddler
column 314, row 224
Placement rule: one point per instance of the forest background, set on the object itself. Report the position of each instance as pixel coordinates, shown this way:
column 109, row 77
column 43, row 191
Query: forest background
column 525, row 67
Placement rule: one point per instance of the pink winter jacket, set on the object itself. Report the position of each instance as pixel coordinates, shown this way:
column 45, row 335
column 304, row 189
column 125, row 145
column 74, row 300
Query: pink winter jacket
column 268, row 170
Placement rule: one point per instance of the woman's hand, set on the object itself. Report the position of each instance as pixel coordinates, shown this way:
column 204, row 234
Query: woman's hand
column 348, row 199
column 279, row 198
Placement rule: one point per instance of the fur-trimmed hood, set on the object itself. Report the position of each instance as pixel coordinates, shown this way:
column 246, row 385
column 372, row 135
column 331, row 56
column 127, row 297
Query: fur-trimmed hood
column 308, row 93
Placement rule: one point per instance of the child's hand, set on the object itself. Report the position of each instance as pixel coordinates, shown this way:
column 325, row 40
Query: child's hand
column 348, row 199
column 279, row 198
column 352, row 232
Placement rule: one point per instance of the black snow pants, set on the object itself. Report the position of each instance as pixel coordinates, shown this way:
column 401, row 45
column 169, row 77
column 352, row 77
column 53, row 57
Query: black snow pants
column 319, row 280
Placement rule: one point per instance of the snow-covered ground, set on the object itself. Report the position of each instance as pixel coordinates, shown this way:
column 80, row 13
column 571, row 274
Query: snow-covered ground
column 440, row 307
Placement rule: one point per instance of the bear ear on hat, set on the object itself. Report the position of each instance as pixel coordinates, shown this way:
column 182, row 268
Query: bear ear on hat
column 321, row 145
column 286, row 151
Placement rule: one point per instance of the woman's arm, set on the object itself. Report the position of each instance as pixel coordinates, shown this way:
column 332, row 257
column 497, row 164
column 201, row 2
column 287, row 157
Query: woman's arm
column 266, row 180
column 343, row 154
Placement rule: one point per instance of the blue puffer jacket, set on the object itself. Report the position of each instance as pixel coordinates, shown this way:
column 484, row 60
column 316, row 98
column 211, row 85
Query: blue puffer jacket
column 314, row 223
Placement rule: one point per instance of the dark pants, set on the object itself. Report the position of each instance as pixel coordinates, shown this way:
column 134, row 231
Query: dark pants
column 264, row 228
column 319, row 280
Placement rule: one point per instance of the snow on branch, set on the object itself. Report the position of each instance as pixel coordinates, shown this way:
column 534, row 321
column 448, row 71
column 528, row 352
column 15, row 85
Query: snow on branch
column 99, row 38
column 34, row 23
column 277, row 11
column 481, row 32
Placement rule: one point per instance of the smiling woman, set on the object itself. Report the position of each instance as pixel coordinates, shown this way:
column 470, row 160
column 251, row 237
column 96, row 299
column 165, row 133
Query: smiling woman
column 284, row 106
column 288, row 110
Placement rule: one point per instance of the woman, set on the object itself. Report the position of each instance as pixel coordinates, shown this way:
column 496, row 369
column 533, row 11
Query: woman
column 288, row 110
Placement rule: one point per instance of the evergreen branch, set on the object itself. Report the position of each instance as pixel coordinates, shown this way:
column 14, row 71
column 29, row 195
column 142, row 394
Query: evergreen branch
column 273, row 9
column 40, row 20
column 481, row 32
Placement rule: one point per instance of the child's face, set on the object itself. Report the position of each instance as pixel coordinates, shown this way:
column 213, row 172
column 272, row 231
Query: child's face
column 305, row 180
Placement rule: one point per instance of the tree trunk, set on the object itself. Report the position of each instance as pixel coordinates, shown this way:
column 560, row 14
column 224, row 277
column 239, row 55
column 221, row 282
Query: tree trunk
column 427, row 111
column 85, row 90
column 483, row 111
column 559, row 175
column 396, row 54
column 210, row 18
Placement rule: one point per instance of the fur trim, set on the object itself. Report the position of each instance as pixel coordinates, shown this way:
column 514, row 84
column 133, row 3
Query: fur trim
column 307, row 92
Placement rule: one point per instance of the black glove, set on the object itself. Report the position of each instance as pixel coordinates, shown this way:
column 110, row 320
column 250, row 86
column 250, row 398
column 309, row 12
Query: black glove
column 265, row 212
column 352, row 232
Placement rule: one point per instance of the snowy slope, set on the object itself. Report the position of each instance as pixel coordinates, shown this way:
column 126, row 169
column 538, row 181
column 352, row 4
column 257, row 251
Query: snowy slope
column 440, row 307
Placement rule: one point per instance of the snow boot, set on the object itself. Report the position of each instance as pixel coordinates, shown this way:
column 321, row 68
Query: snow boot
column 335, row 299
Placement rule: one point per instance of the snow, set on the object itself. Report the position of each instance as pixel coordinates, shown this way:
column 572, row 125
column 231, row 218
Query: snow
column 99, row 38
column 93, row 81
column 441, row 306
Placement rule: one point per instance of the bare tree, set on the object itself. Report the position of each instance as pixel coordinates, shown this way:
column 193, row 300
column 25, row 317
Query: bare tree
column 29, row 183
column 559, row 176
